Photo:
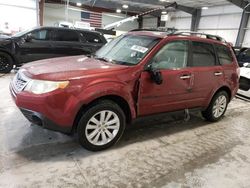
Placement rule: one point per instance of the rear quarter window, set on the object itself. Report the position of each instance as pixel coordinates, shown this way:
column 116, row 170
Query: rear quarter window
column 224, row 54
column 91, row 37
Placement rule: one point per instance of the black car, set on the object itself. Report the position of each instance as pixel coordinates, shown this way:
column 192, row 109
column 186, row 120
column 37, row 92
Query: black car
column 243, row 55
column 46, row 42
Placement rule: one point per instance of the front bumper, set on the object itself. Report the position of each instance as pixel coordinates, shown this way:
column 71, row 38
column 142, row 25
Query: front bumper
column 39, row 119
column 55, row 110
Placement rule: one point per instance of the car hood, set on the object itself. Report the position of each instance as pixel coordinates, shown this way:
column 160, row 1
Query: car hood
column 4, row 37
column 68, row 68
column 245, row 72
column 5, row 40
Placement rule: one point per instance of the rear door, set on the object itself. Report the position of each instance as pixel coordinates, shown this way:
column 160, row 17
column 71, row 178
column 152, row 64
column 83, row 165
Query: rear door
column 175, row 93
column 208, row 74
column 226, row 60
column 66, row 42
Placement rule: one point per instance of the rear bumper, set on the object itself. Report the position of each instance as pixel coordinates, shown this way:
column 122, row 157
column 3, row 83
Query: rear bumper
column 39, row 119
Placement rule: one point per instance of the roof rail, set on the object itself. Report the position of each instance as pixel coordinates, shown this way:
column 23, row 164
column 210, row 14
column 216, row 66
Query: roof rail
column 208, row 36
column 158, row 29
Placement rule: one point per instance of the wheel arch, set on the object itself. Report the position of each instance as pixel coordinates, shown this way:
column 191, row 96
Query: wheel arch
column 11, row 55
column 223, row 88
column 123, row 104
column 227, row 89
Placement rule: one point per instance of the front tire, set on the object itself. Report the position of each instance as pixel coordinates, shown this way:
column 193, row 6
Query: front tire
column 101, row 125
column 6, row 63
column 217, row 107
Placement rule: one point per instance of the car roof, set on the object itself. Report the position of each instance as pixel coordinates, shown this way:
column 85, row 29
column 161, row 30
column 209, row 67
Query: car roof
column 156, row 34
column 65, row 28
column 162, row 35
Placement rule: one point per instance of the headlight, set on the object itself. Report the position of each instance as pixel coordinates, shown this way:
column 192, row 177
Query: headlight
column 41, row 86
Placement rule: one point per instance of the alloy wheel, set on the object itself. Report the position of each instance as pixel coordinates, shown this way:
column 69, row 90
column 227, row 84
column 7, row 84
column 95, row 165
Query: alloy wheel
column 219, row 106
column 4, row 63
column 102, row 127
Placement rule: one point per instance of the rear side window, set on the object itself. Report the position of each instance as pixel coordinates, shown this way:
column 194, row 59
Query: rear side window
column 61, row 35
column 92, row 38
column 224, row 54
column 203, row 54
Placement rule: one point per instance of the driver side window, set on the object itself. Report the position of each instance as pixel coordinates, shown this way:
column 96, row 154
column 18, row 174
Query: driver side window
column 174, row 55
column 39, row 34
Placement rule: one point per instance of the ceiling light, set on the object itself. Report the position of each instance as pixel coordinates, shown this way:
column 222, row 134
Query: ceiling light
column 164, row 1
column 164, row 12
column 204, row 8
column 118, row 10
column 125, row 6
column 78, row 4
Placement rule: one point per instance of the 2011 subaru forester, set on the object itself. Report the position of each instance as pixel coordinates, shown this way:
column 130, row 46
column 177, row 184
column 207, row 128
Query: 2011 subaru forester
column 137, row 74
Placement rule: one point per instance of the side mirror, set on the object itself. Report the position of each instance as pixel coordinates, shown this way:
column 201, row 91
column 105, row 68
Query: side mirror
column 156, row 75
column 28, row 38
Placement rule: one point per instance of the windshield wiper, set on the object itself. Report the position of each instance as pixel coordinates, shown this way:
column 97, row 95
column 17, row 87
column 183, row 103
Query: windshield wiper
column 104, row 59
column 124, row 63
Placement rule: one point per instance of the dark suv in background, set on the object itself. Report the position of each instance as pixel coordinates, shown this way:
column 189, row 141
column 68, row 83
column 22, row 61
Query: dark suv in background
column 47, row 42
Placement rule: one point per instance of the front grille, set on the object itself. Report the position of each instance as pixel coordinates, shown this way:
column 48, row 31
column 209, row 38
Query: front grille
column 20, row 81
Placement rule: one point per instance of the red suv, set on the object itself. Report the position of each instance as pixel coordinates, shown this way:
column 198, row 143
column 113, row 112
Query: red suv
column 137, row 74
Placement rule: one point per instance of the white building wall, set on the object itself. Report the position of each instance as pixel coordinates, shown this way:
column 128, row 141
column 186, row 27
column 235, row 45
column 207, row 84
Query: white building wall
column 179, row 20
column 149, row 22
column 18, row 15
column 221, row 20
column 55, row 12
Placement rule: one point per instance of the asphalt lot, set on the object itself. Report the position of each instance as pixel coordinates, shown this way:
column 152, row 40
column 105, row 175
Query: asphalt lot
column 161, row 151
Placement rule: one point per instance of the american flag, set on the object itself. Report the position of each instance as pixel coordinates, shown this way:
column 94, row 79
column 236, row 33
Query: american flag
column 94, row 18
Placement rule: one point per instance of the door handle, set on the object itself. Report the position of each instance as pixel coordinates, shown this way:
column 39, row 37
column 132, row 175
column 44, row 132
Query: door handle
column 218, row 73
column 184, row 77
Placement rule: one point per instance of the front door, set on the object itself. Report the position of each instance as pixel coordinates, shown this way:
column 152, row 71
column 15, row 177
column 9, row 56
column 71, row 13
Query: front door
column 175, row 92
column 38, row 47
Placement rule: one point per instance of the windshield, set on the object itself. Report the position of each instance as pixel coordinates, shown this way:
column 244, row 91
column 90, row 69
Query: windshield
column 19, row 34
column 127, row 49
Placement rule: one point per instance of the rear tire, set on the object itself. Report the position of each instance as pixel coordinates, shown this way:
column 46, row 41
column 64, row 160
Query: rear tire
column 6, row 62
column 101, row 125
column 217, row 107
